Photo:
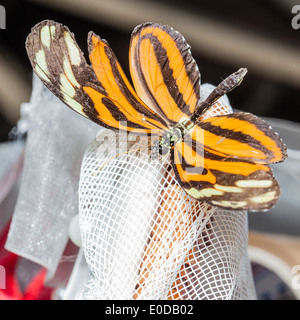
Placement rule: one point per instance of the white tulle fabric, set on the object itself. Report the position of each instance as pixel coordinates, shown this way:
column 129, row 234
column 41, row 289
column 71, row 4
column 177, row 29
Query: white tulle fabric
column 48, row 198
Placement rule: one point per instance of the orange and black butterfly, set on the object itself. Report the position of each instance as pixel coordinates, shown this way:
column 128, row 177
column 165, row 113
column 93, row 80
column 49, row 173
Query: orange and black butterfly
column 222, row 160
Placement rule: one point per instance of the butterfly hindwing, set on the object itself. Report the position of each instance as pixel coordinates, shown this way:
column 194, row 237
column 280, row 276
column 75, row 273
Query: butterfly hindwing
column 164, row 72
column 60, row 64
column 233, row 185
column 223, row 161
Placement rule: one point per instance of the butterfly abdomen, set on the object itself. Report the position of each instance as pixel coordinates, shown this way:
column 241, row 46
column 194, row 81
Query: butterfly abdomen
column 167, row 141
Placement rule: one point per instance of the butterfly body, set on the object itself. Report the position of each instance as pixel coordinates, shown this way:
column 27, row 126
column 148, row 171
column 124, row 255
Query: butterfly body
column 223, row 160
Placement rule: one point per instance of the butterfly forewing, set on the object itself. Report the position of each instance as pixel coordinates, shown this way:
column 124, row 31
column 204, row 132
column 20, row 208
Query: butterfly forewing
column 242, row 135
column 60, row 64
column 57, row 60
column 164, row 72
column 123, row 101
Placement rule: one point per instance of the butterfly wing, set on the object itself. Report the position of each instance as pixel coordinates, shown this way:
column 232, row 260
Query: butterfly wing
column 164, row 72
column 224, row 161
column 99, row 92
column 242, row 135
column 123, row 100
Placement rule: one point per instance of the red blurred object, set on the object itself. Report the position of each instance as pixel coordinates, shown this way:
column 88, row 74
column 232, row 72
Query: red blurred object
column 35, row 289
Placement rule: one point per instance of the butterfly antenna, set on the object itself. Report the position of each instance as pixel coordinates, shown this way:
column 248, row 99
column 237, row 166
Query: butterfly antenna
column 223, row 88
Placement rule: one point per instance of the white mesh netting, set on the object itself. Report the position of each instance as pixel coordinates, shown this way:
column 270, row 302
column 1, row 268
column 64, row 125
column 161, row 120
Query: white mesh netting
column 144, row 238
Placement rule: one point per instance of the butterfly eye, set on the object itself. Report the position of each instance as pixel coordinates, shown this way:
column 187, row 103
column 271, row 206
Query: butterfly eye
column 204, row 171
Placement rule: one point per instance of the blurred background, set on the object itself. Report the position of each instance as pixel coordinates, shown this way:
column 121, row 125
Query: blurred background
column 224, row 36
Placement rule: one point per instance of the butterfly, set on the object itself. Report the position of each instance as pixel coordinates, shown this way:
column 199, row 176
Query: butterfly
column 223, row 160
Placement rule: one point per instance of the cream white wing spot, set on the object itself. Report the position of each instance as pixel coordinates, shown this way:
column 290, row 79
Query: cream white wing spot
column 254, row 183
column 47, row 32
column 208, row 192
column 266, row 197
column 66, row 86
column 74, row 53
column 228, row 188
column 41, row 65
column 69, row 93
column 73, row 104
column 52, row 31
column 69, row 73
